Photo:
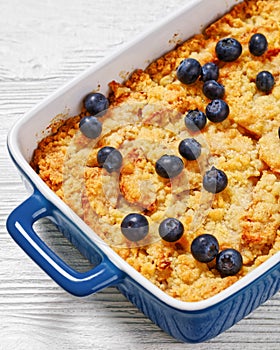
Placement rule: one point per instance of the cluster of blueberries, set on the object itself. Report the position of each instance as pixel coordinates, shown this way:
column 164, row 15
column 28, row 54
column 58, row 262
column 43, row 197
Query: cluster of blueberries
column 135, row 227
column 204, row 248
column 227, row 50
column 96, row 104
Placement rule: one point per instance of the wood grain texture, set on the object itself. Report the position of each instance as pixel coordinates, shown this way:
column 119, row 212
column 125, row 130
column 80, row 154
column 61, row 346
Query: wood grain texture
column 42, row 46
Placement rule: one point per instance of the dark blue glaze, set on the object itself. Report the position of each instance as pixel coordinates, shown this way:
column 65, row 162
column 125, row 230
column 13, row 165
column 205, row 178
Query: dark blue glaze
column 20, row 226
column 202, row 325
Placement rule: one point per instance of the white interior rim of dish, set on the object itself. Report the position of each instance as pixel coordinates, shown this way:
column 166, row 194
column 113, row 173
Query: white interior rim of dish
column 16, row 152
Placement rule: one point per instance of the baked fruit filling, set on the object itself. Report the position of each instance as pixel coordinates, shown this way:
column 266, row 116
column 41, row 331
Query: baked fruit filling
column 178, row 168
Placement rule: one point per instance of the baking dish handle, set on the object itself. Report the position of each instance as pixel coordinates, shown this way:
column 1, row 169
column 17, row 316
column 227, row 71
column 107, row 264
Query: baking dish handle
column 20, row 226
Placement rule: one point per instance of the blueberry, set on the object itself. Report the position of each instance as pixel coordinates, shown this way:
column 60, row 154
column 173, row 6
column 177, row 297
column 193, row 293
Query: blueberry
column 135, row 227
column 188, row 71
column 90, row 127
column 171, row 229
column 229, row 262
column 109, row 158
column 195, row 120
column 279, row 132
column 209, row 71
column 258, row 44
column 217, row 111
column 228, row 49
column 215, row 180
column 265, row 81
column 95, row 103
column 205, row 248
column 190, row 149
column 169, row 166
column 213, row 90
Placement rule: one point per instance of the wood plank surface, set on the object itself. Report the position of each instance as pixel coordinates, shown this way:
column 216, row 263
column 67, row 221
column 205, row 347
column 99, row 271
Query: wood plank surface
column 43, row 45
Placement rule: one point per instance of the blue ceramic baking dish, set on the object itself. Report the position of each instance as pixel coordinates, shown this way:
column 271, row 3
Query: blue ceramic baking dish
column 189, row 322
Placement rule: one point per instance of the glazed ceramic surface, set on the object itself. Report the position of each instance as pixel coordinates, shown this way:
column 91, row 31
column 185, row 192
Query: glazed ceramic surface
column 189, row 322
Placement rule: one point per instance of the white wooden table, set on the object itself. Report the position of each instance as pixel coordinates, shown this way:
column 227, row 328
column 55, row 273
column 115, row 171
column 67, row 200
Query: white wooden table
column 43, row 44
